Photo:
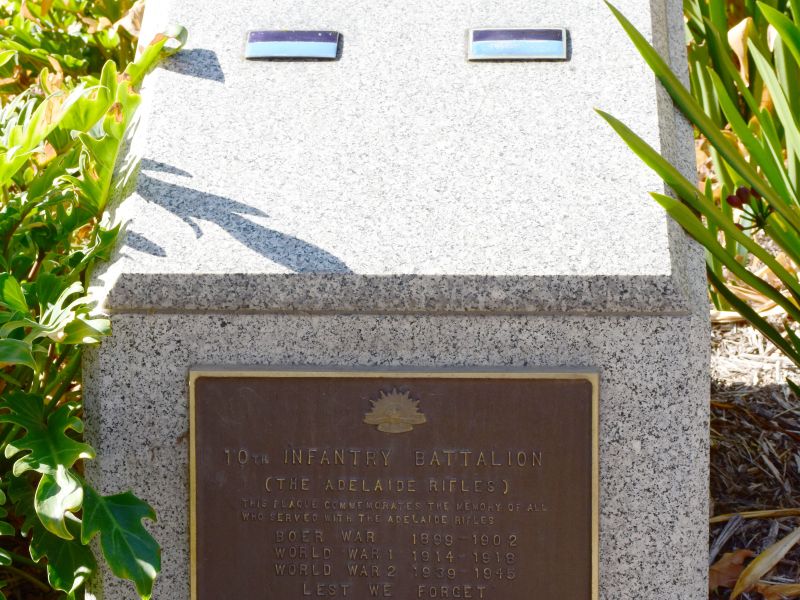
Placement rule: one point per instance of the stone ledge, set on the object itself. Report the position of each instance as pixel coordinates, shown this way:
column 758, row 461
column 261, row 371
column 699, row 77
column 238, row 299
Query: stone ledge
column 396, row 294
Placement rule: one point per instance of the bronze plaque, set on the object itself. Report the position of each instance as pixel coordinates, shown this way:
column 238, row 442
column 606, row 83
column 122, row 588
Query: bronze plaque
column 394, row 485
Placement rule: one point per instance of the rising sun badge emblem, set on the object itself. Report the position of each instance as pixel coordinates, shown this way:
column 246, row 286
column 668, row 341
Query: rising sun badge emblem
column 395, row 412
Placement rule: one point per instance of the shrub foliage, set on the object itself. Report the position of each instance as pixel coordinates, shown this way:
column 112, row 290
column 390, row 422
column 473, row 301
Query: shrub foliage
column 744, row 101
column 68, row 81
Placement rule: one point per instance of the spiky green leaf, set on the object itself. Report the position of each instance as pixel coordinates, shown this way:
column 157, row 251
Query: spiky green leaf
column 11, row 296
column 69, row 562
column 695, row 113
column 85, row 330
column 130, row 550
column 788, row 31
column 56, row 497
column 16, row 352
column 46, row 444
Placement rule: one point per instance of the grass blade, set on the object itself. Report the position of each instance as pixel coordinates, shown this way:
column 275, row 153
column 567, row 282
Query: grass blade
column 726, row 63
column 694, row 113
column 671, row 176
column 694, row 227
column 782, row 108
column 689, row 194
column 772, row 170
column 754, row 318
column 789, row 32
column 762, row 564
column 786, row 237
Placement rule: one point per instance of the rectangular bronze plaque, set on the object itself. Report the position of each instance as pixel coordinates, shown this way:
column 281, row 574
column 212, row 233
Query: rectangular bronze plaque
column 394, row 485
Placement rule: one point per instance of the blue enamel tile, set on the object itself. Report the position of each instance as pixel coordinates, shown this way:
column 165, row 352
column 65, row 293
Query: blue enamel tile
column 292, row 44
column 518, row 44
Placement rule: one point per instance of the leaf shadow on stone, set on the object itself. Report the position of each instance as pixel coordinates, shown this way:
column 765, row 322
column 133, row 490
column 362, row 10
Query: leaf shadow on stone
column 142, row 244
column 147, row 164
column 192, row 205
column 196, row 62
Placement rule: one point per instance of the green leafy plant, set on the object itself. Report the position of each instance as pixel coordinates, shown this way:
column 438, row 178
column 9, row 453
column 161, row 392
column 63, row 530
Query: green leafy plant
column 745, row 108
column 60, row 144
column 71, row 38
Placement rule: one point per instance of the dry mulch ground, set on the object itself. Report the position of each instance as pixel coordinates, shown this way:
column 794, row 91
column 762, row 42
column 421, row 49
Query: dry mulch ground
column 755, row 448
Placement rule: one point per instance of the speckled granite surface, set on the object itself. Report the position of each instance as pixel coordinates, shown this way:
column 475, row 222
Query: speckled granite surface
column 654, row 388
column 410, row 209
column 380, row 173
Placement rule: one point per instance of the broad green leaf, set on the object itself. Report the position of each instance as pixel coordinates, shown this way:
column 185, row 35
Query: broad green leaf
column 45, row 443
column 69, row 562
column 11, row 295
column 44, row 183
column 3, row 514
column 83, row 330
column 93, row 103
column 6, row 55
column 9, row 327
column 162, row 45
column 22, row 141
column 122, row 111
column 16, row 352
column 56, row 307
column 65, row 320
column 90, row 107
column 101, row 249
column 130, row 550
column 6, row 528
column 57, row 495
column 47, row 288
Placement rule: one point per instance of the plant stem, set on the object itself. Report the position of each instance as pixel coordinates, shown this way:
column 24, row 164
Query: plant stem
column 28, row 577
column 8, row 378
column 62, row 381
column 9, row 436
column 36, row 266
column 23, row 560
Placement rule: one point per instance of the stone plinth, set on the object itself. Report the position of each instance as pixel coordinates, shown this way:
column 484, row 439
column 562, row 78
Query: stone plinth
column 403, row 207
